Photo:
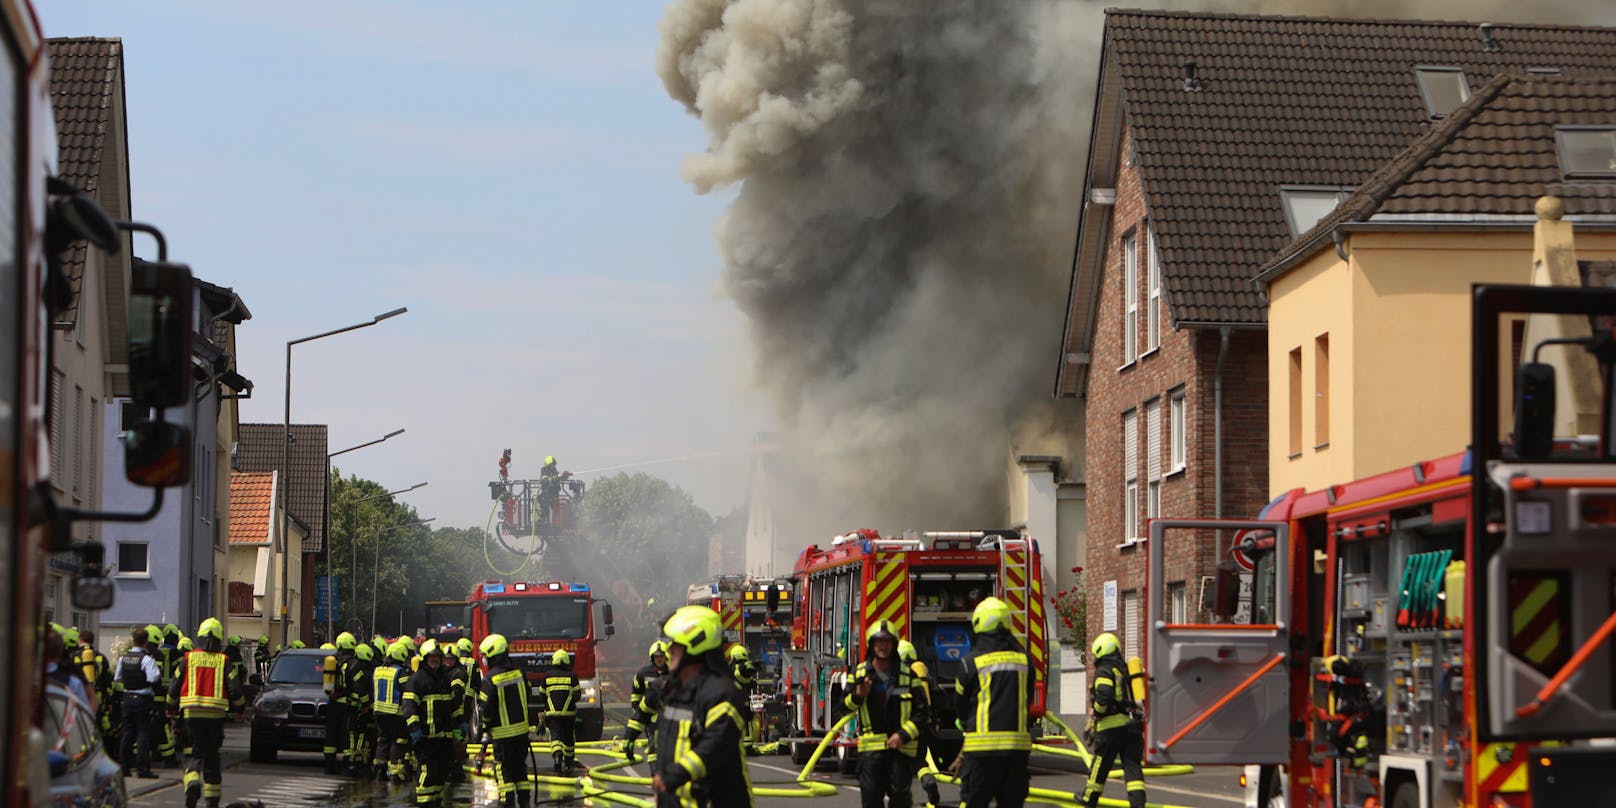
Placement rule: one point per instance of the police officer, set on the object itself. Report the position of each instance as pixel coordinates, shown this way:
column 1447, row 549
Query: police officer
column 647, row 680
column 356, row 673
column 883, row 695
column 561, row 692
column 206, row 692
column 503, row 699
column 702, row 761
column 1118, row 724
column 432, row 716
column 136, row 675
column 388, row 683
column 992, row 691
column 337, row 699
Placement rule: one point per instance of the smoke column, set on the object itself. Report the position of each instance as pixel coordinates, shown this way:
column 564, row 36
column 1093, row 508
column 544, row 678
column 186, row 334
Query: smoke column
column 901, row 243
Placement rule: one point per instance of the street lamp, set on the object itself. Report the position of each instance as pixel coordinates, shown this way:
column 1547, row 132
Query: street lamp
column 353, row 537
column 286, row 467
column 330, row 617
column 376, row 568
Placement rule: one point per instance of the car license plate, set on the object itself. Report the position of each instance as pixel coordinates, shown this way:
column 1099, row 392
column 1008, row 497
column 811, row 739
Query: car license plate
column 311, row 732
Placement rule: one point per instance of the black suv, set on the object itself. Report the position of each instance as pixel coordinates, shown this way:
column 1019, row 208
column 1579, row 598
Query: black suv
column 289, row 712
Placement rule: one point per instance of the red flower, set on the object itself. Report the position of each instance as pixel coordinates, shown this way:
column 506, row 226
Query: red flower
column 1077, row 569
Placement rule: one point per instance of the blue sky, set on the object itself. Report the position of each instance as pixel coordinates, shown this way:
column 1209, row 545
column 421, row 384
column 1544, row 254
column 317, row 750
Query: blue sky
column 507, row 170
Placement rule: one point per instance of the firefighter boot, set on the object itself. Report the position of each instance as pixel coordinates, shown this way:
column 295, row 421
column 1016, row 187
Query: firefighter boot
column 193, row 794
column 524, row 798
column 558, row 757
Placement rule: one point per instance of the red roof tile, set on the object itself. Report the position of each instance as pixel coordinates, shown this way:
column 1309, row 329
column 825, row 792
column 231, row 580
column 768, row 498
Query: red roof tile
column 259, row 449
column 252, row 500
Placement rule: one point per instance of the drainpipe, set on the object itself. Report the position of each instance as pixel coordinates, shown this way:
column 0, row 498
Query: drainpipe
column 1217, row 438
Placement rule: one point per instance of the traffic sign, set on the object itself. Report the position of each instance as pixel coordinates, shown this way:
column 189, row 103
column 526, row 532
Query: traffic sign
column 325, row 598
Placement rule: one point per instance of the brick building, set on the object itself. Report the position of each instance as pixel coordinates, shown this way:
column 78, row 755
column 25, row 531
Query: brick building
column 1217, row 140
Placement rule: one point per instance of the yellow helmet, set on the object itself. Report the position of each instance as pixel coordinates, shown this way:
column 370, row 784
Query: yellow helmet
column 549, row 460
column 364, row 652
column 326, row 646
column 346, row 641
column 431, row 647
column 399, row 651
column 1105, row 645
column 185, row 644
column 658, row 647
column 299, row 644
column 737, row 652
column 879, row 629
column 154, row 633
column 70, row 636
column 697, row 628
column 907, row 652
column 211, row 627
column 494, row 645
column 171, row 631
column 991, row 614
column 561, row 658
column 463, row 645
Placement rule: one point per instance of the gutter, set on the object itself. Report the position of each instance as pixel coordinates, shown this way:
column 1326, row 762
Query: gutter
column 1217, row 428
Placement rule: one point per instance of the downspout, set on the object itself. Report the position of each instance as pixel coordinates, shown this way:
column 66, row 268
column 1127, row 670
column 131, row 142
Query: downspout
column 1217, row 437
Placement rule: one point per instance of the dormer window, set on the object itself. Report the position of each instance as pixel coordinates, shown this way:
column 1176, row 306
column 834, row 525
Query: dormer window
column 1306, row 206
column 1443, row 88
column 1587, row 151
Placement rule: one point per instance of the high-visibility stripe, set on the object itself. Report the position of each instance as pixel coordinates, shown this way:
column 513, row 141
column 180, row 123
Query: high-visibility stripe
column 886, row 593
column 1508, row 776
column 1537, row 622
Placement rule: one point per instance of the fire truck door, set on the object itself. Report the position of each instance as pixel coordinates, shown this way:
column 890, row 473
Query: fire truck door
column 1215, row 693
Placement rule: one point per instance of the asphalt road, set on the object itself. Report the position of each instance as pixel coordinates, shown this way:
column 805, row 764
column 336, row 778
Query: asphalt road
column 298, row 781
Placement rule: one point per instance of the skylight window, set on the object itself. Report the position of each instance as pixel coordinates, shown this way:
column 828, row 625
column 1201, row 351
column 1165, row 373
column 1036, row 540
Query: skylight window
column 1307, row 206
column 1587, row 152
column 1443, row 88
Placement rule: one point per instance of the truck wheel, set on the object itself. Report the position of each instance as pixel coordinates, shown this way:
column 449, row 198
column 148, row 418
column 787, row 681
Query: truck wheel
column 1407, row 795
column 801, row 751
column 591, row 725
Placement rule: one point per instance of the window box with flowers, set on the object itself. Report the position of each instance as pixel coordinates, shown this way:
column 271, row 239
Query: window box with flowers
column 1072, row 613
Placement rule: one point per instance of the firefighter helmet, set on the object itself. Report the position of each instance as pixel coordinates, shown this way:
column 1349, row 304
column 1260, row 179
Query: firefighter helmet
column 658, row 647
column 463, row 645
column 697, row 628
column 326, row 646
column 880, row 629
column 185, row 644
column 906, row 652
column 1105, row 645
column 233, row 641
column 299, row 644
column 346, row 641
column 398, row 652
column 263, row 639
column 737, row 653
column 431, row 647
column 364, row 652
column 171, row 631
column 991, row 614
column 154, row 633
column 560, row 658
column 549, row 460
column 211, row 627
column 70, row 636
column 494, row 645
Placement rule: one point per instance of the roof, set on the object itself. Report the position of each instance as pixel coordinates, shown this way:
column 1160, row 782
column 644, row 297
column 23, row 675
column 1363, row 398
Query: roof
column 1489, row 161
column 259, row 449
column 1276, row 101
column 83, row 86
column 252, row 500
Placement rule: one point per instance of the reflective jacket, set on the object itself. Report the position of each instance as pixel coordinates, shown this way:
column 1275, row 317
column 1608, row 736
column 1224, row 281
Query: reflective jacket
column 699, row 742
column 387, row 685
column 431, row 703
column 891, row 707
column 355, row 682
column 503, row 697
column 1111, row 694
column 561, row 692
column 993, row 695
column 203, row 686
column 168, row 658
column 647, row 680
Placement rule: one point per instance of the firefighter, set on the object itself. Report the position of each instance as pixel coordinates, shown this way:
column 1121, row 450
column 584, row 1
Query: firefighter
column 182, row 730
column 431, row 716
column 992, row 691
column 137, row 674
column 99, row 674
column 356, row 672
column 561, row 692
column 206, row 692
column 883, row 695
column 1118, row 724
column 503, row 699
column 261, row 655
column 647, row 680
column 744, row 671
column 388, row 684
column 456, row 662
column 166, row 651
column 698, row 728
column 337, row 698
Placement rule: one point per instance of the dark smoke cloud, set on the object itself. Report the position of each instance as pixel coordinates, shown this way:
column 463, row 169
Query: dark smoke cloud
column 901, row 242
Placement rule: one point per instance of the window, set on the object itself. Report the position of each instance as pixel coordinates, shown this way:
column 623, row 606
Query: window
column 1153, row 459
column 1443, row 88
column 1130, row 623
column 1321, row 391
column 1307, row 206
column 1130, row 474
column 78, row 441
column 1130, row 298
column 95, row 452
column 1587, row 152
column 57, row 421
column 1177, row 606
column 133, row 561
column 1153, row 313
column 1296, row 401
column 1175, row 430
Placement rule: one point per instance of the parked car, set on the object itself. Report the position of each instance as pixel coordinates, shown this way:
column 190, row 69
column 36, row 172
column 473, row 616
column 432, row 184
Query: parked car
column 82, row 771
column 289, row 712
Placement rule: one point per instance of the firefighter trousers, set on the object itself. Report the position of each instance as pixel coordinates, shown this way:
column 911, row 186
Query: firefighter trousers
column 436, row 756
column 203, row 774
column 510, row 759
column 358, row 750
column 1126, row 744
column 994, row 778
column 885, row 779
column 563, row 736
column 391, row 741
column 162, row 730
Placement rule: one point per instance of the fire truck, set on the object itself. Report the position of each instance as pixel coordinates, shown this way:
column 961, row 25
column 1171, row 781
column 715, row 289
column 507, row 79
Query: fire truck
column 447, row 620
column 46, row 219
column 540, row 618
column 757, row 613
column 1435, row 635
column 927, row 584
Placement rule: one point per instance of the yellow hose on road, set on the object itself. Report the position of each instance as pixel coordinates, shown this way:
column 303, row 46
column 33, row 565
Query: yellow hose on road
column 1080, row 752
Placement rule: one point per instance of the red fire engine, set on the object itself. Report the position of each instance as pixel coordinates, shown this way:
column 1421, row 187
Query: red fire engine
column 1438, row 634
column 757, row 613
column 927, row 584
column 540, row 618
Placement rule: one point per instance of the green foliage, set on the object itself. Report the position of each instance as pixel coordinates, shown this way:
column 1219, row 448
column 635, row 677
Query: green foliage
column 649, row 534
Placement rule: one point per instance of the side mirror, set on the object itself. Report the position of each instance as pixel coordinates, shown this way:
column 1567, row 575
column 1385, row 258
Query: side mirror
column 771, row 598
column 157, row 454
column 1227, row 599
column 92, row 589
column 160, row 334
column 610, row 629
column 465, row 620
column 607, row 609
column 1534, row 411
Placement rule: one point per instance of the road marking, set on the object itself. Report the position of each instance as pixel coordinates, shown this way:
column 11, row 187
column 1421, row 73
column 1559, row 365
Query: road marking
column 797, row 773
column 1150, row 786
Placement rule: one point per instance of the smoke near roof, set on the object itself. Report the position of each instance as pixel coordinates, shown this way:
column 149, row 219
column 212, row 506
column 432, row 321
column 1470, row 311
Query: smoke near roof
column 909, row 177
